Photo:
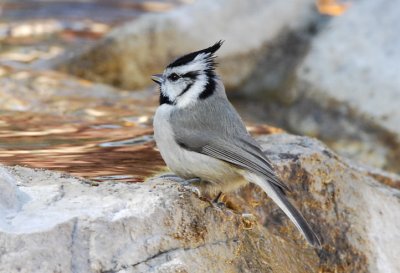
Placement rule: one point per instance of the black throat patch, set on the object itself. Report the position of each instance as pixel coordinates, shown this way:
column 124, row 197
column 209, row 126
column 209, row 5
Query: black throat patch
column 165, row 99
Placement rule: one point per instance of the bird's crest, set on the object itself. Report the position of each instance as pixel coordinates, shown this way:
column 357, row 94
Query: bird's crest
column 205, row 58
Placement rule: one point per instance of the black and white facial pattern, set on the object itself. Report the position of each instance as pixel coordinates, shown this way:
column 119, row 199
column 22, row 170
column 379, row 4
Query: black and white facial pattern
column 189, row 78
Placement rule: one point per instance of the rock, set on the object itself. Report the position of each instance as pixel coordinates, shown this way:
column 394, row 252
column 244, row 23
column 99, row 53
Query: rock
column 11, row 196
column 348, row 81
column 158, row 226
column 51, row 92
column 360, row 72
column 70, row 226
column 352, row 207
column 341, row 88
column 129, row 54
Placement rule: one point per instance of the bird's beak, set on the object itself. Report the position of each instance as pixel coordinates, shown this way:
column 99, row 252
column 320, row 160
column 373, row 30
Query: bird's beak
column 157, row 78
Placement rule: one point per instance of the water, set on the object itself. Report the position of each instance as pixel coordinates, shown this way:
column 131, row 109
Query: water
column 123, row 152
column 118, row 145
column 53, row 121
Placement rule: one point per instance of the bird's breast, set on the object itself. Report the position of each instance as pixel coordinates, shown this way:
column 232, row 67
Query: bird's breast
column 185, row 163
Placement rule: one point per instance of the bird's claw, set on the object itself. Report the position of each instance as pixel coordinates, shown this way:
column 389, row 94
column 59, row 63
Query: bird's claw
column 171, row 177
column 193, row 189
column 188, row 184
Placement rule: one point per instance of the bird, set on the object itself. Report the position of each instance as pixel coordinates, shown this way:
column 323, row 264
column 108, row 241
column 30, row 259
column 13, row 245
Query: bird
column 203, row 140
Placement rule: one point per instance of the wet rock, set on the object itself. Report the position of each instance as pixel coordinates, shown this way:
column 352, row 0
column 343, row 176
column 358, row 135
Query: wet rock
column 129, row 54
column 159, row 226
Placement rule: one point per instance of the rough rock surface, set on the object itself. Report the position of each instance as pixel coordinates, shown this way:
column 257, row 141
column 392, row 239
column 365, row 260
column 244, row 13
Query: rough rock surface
column 355, row 209
column 56, row 223
column 129, row 54
column 66, row 225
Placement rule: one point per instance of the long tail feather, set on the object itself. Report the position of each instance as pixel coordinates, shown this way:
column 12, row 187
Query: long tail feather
column 280, row 199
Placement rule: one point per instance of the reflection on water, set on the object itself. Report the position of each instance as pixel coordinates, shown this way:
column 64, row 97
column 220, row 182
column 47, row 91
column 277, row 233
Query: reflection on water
column 123, row 153
column 54, row 121
column 120, row 151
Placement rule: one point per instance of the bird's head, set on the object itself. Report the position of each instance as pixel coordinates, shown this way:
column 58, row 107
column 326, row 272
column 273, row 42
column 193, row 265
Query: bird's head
column 189, row 78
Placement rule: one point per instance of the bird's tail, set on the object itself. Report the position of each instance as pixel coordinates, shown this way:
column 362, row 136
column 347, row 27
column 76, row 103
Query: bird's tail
column 280, row 199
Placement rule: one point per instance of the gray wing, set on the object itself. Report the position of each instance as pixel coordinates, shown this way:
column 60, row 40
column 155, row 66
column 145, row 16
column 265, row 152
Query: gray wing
column 244, row 156
column 222, row 136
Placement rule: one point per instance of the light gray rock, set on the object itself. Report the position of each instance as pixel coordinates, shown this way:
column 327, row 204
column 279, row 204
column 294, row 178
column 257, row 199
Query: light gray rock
column 11, row 197
column 129, row 54
column 71, row 226
column 356, row 60
column 351, row 72
column 68, row 225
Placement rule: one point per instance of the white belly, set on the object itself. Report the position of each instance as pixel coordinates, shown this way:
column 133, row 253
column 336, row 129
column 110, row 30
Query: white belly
column 185, row 163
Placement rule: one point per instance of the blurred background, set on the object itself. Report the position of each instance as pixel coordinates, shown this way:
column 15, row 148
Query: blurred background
column 76, row 94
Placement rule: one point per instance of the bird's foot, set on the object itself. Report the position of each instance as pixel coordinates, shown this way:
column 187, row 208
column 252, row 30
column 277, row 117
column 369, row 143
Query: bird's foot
column 190, row 185
column 170, row 176
column 187, row 184
column 218, row 202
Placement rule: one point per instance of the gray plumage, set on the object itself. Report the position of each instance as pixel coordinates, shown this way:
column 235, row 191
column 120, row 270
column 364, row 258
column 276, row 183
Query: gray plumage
column 206, row 138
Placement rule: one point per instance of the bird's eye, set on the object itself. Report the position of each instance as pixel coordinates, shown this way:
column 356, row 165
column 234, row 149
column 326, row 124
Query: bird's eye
column 173, row 77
